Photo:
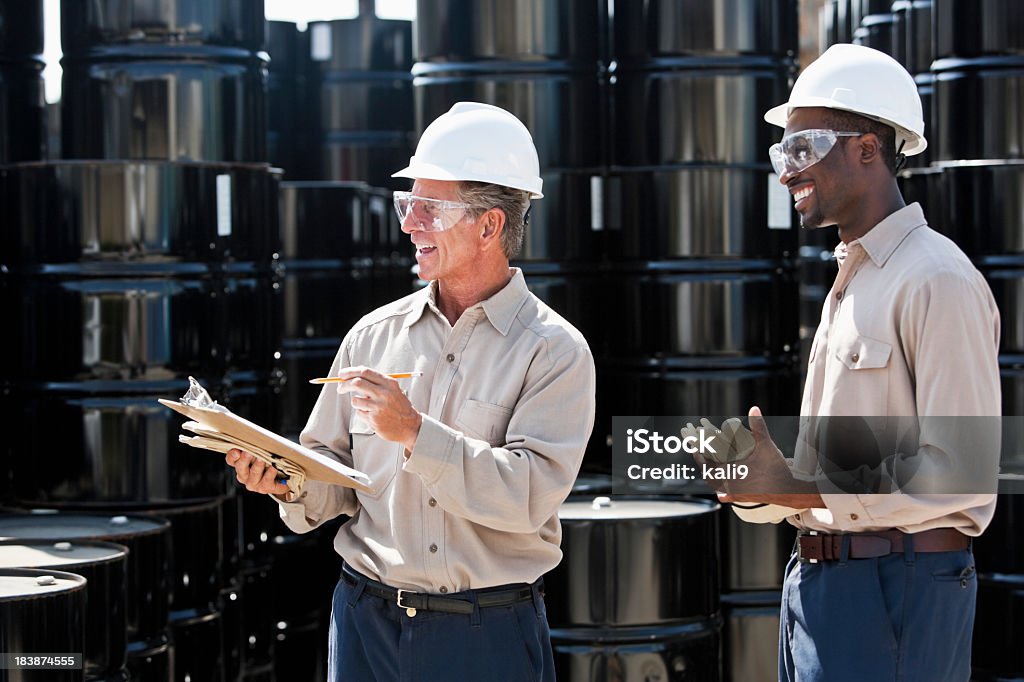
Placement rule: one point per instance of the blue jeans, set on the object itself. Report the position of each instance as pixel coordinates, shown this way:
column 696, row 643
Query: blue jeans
column 899, row 618
column 372, row 640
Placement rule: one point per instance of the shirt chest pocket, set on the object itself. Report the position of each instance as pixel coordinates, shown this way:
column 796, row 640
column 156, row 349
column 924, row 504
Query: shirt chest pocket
column 374, row 456
column 865, row 372
column 484, row 421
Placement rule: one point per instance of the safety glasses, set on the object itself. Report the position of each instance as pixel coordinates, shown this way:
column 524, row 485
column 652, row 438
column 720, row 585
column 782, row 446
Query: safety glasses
column 432, row 215
column 800, row 151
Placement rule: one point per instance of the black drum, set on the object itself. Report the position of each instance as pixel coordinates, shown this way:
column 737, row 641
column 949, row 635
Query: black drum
column 42, row 612
column 232, row 631
column 258, row 625
column 978, row 110
column 631, row 562
column 22, row 110
column 683, row 312
column 137, row 217
column 754, row 555
column 196, row 555
column 119, row 447
column 150, row 660
column 306, row 569
column 499, row 30
column 359, row 103
column 920, row 51
column 21, row 28
column 671, row 653
column 973, row 194
column 562, row 107
column 300, row 648
column 998, row 549
column 708, row 212
column 147, row 539
column 198, row 646
column 102, row 564
column 974, row 28
column 288, row 140
column 750, row 639
column 682, row 386
column 685, row 111
column 880, row 32
column 573, row 221
column 1008, row 290
column 153, row 105
column 997, row 655
column 667, row 28
column 89, row 28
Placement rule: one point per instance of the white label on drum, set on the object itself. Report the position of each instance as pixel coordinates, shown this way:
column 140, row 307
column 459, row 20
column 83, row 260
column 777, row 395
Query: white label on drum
column 779, row 205
column 223, row 205
column 320, row 42
column 596, row 204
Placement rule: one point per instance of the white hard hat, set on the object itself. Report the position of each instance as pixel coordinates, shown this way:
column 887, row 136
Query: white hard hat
column 479, row 142
column 863, row 81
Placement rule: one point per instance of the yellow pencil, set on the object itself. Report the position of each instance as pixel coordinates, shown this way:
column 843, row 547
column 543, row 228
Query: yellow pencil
column 335, row 380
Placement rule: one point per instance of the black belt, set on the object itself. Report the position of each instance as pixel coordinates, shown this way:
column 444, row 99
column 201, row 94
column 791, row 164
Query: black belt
column 414, row 601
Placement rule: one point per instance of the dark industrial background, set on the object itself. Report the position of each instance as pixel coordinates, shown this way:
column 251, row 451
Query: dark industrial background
column 212, row 197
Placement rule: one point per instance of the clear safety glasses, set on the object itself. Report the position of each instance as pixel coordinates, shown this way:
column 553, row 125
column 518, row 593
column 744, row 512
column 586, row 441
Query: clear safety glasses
column 432, row 215
column 800, row 151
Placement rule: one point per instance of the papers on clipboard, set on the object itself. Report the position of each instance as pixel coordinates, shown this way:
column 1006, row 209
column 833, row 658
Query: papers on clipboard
column 214, row 427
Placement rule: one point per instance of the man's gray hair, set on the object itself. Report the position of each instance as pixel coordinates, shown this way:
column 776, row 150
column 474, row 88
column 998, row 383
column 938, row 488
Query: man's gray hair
column 513, row 202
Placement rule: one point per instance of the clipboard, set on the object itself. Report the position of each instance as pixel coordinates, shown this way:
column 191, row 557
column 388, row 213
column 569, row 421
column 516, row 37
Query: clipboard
column 228, row 427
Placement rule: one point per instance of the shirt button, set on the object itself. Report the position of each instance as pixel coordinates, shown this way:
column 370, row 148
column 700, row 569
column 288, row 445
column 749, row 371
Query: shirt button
column 444, row 590
column 451, row 357
column 797, row 517
column 433, row 549
column 855, row 357
column 839, row 295
column 854, row 517
column 432, row 502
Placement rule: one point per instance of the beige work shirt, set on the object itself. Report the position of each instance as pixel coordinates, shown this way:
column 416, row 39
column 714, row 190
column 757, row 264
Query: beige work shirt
column 909, row 329
column 507, row 397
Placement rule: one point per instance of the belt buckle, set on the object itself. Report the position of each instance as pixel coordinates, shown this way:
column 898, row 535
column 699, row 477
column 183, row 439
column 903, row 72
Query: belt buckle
column 409, row 610
column 802, row 559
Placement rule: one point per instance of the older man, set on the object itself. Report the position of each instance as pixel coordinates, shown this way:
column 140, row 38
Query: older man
column 471, row 456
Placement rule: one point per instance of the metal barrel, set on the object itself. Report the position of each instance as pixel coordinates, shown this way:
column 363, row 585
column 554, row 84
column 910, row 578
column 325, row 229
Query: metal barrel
column 103, row 566
column 183, row 80
column 42, row 611
column 637, row 590
column 22, row 104
column 125, row 278
column 359, row 100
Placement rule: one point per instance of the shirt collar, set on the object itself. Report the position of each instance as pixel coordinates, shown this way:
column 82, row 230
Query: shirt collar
column 884, row 238
column 501, row 308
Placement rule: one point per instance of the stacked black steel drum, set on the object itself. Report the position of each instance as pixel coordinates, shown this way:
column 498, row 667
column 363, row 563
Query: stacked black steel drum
column 636, row 594
column 359, row 103
column 42, row 611
column 144, row 258
column 22, row 106
column 703, row 269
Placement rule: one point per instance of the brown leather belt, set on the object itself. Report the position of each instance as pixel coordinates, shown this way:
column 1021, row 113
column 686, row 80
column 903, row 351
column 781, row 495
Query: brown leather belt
column 412, row 601
column 814, row 547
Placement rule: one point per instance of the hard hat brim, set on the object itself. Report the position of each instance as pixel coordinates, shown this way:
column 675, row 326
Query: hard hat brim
column 429, row 171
